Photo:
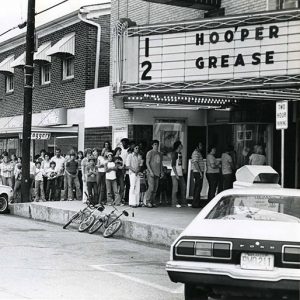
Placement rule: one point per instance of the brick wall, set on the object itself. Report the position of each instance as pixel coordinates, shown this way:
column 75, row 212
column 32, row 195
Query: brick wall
column 70, row 93
column 95, row 137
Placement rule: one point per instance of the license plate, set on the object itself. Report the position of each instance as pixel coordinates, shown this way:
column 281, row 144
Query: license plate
column 257, row 261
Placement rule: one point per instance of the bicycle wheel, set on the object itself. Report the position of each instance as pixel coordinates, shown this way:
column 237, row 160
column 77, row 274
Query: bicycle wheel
column 86, row 223
column 112, row 228
column 73, row 218
column 96, row 226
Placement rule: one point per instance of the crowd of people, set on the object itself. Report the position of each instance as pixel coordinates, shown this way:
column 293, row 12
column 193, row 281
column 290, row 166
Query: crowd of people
column 126, row 175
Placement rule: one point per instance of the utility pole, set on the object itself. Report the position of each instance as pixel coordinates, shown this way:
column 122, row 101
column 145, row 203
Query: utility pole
column 27, row 118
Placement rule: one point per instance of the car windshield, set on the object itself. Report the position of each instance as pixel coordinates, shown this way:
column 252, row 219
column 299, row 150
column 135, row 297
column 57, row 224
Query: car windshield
column 257, row 208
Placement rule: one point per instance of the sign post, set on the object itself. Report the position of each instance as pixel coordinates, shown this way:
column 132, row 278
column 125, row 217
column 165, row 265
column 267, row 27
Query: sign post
column 282, row 124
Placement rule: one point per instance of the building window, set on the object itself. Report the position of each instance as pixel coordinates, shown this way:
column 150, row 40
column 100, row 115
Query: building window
column 68, row 68
column 283, row 4
column 45, row 74
column 9, row 83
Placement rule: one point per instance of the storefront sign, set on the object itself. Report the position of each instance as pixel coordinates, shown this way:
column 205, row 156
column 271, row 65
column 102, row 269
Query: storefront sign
column 281, row 115
column 38, row 135
column 56, row 116
column 228, row 53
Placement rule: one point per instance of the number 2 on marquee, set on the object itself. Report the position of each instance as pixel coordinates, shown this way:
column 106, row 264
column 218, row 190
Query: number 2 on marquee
column 146, row 63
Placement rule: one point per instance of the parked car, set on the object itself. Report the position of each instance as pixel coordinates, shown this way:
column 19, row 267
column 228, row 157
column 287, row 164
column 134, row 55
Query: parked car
column 6, row 194
column 245, row 242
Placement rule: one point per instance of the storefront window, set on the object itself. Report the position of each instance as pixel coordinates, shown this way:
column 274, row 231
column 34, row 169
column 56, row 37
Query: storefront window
column 243, row 137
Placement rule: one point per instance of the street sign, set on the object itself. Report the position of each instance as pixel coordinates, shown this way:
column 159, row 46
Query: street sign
column 281, row 115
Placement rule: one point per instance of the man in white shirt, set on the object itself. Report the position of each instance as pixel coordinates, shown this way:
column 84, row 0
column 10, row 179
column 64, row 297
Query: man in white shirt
column 60, row 165
column 134, row 162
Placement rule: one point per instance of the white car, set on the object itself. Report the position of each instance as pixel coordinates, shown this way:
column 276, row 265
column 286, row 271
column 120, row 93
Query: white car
column 245, row 242
column 6, row 194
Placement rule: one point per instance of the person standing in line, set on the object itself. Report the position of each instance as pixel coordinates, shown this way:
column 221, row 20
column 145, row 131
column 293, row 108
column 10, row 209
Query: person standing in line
column 60, row 162
column 18, row 177
column 91, row 180
column 154, row 173
column 42, row 155
column 79, row 160
column 38, row 182
column 65, row 181
column 120, row 171
column 124, row 155
column 198, row 173
column 84, row 164
column 106, row 149
column 134, row 161
column 177, row 175
column 6, row 171
column 45, row 165
column 212, row 172
column 51, row 182
column 72, row 177
column 13, row 161
column 101, row 183
column 111, row 181
column 227, row 168
column 257, row 158
column 32, row 169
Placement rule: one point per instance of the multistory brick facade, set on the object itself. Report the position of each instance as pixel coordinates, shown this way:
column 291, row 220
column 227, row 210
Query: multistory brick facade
column 61, row 101
column 60, row 93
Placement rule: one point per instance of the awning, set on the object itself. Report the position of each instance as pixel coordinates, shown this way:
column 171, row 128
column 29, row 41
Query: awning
column 41, row 54
column 65, row 46
column 57, row 130
column 19, row 61
column 5, row 65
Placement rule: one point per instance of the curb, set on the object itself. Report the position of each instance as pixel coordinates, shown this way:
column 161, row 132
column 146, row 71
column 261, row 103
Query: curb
column 136, row 230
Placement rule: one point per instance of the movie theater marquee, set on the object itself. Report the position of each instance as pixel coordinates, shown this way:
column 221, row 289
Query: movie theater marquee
column 246, row 54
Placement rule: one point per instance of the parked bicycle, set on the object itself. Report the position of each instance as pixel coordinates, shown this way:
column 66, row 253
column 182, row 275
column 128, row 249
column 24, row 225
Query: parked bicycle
column 83, row 214
column 111, row 222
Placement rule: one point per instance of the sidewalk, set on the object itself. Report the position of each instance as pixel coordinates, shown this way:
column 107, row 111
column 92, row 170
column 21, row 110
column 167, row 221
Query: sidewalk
column 158, row 226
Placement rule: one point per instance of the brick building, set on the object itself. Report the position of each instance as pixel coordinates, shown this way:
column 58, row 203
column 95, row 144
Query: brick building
column 155, row 95
column 71, row 59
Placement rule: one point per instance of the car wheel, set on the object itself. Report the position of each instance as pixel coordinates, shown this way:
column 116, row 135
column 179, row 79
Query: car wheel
column 3, row 204
column 192, row 293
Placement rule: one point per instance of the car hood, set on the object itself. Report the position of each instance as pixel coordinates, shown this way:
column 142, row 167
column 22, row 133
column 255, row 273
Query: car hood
column 245, row 229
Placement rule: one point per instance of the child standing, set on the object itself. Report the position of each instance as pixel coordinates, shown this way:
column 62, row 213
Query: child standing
column 51, row 182
column 91, row 181
column 39, row 183
column 111, row 181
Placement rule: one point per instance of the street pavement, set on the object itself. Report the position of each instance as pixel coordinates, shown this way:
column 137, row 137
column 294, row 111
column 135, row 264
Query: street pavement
column 42, row 261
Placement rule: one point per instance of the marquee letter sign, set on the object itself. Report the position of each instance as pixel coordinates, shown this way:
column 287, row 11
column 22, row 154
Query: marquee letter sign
column 250, row 51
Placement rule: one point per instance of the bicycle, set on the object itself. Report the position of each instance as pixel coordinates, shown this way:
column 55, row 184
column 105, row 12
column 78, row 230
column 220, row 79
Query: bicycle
column 89, row 220
column 83, row 214
column 111, row 222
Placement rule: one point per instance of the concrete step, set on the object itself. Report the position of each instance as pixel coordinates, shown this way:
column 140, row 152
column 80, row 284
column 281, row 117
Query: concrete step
column 156, row 226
